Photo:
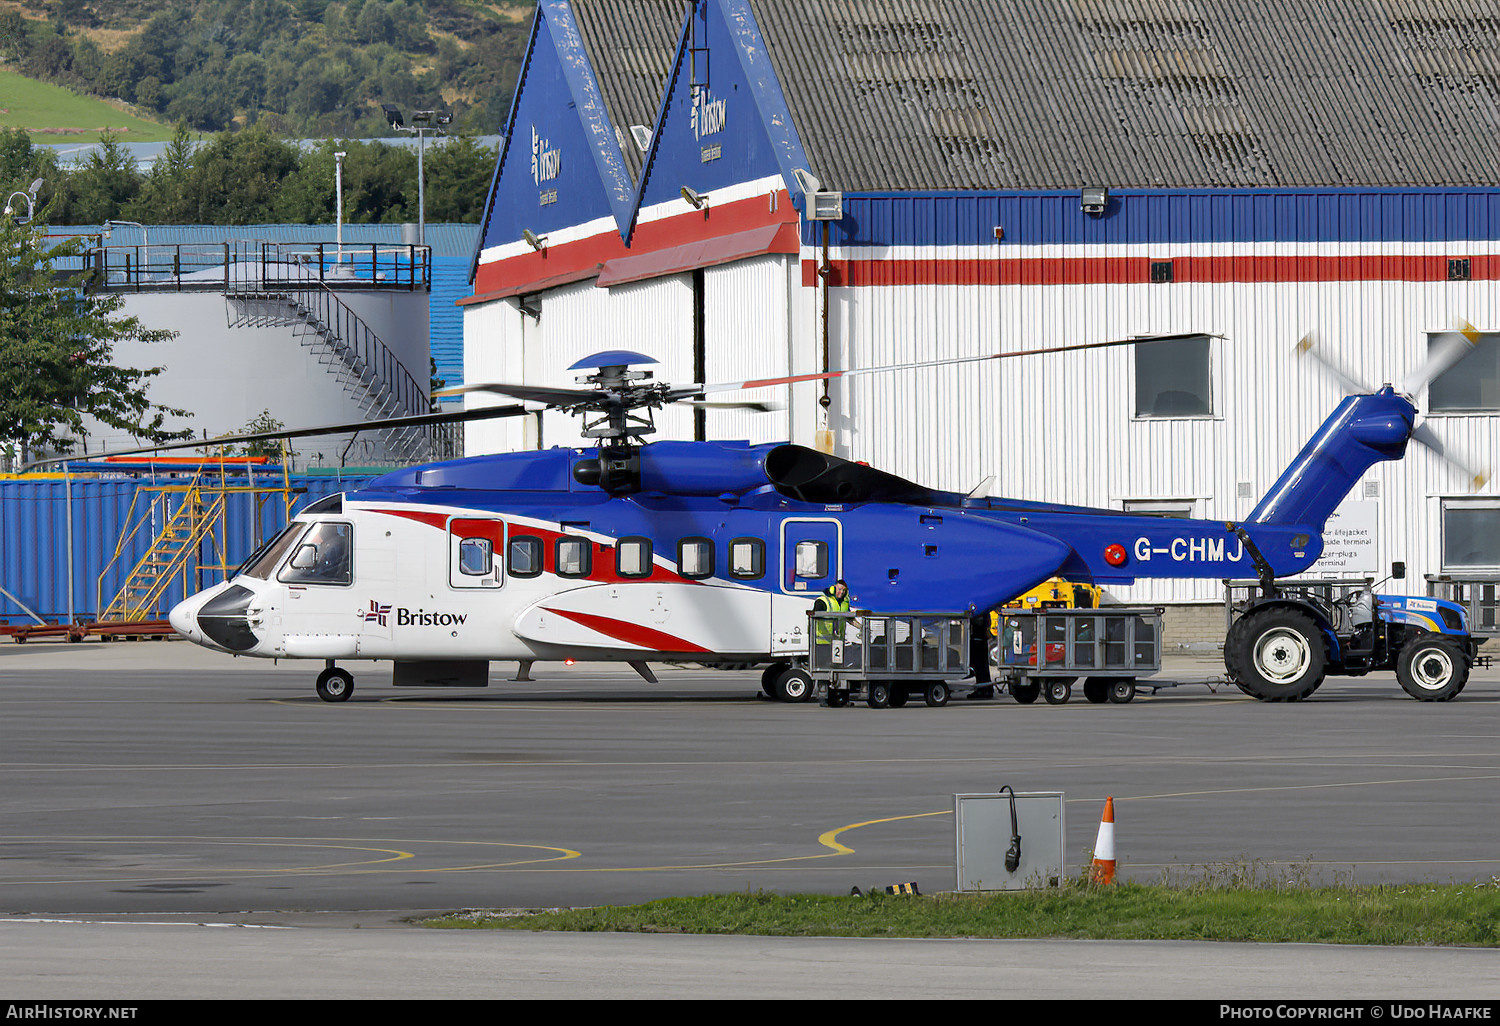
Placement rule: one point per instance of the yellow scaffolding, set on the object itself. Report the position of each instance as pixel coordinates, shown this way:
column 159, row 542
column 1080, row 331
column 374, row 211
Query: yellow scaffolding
column 191, row 512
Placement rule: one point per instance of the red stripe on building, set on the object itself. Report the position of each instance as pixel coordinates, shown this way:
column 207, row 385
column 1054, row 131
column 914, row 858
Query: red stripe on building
column 569, row 262
column 1139, row 270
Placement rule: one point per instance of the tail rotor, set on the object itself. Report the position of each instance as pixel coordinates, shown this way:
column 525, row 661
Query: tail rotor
column 1446, row 351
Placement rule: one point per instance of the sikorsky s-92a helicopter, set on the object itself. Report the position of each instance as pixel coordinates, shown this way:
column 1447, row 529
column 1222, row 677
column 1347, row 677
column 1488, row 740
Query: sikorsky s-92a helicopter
column 636, row 551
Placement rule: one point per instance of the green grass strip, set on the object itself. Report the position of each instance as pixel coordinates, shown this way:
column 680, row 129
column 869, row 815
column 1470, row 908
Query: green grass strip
column 1419, row 914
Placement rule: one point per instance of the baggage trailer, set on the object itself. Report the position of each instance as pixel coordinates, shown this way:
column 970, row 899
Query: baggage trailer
column 888, row 658
column 1043, row 652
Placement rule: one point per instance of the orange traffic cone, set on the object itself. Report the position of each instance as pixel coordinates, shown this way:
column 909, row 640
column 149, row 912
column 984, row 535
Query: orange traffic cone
column 1103, row 871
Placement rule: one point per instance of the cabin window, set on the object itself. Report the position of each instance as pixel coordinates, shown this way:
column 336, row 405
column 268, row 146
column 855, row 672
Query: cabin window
column 1174, row 379
column 525, row 556
column 574, row 557
column 747, row 558
column 812, row 559
column 1471, row 535
column 633, row 557
column 1472, row 385
column 269, row 556
column 324, row 555
column 695, row 558
column 476, row 557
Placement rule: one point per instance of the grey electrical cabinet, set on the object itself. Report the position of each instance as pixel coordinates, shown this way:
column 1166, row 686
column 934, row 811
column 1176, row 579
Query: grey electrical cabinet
column 985, row 836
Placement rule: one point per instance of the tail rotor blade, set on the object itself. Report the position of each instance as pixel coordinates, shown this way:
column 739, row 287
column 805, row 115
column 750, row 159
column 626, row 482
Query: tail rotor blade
column 1423, row 435
column 1446, row 350
column 1351, row 385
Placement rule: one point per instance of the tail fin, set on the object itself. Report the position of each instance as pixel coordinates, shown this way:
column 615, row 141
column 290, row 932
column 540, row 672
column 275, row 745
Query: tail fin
column 1362, row 431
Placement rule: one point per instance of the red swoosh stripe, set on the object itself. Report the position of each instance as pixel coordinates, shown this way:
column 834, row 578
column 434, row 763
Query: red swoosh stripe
column 630, row 633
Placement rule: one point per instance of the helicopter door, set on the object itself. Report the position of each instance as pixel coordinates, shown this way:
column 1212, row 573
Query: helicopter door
column 812, row 555
column 476, row 548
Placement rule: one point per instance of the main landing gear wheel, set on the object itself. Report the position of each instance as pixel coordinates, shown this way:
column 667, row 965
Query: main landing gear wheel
column 1278, row 655
column 794, row 685
column 1432, row 669
column 768, row 678
column 335, row 685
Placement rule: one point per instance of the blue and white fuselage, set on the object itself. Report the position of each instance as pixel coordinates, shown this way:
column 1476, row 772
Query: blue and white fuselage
column 715, row 551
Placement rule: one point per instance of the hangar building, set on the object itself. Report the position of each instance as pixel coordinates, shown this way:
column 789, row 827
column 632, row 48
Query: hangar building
column 754, row 188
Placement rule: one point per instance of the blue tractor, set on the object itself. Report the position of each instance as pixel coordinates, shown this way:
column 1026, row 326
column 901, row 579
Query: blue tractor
column 1288, row 639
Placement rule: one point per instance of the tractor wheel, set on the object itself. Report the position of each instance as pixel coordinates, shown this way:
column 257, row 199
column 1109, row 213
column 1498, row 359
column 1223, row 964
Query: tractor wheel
column 1432, row 669
column 1277, row 655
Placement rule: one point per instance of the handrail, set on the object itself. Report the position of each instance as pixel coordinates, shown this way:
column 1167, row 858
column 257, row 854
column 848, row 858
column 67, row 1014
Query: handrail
column 187, row 267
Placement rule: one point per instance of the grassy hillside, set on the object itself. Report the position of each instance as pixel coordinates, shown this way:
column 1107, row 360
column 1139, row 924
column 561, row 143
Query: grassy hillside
column 303, row 68
column 52, row 114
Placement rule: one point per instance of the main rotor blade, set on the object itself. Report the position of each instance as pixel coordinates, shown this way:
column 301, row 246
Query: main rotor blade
column 1446, row 350
column 414, row 420
column 1351, row 385
column 548, row 394
column 751, row 405
column 688, row 391
column 1425, row 436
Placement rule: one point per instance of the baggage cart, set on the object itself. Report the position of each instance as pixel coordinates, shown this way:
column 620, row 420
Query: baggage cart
column 888, row 658
column 1044, row 652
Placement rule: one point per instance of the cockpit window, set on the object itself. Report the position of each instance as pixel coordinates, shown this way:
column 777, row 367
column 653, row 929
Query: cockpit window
column 269, row 556
column 323, row 556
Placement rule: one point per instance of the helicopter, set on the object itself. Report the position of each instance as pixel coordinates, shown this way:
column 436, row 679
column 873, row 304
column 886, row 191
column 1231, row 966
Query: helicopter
column 639, row 551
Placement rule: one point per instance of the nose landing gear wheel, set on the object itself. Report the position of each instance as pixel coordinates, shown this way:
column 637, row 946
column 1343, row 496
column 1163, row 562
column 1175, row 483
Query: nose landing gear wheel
column 335, row 685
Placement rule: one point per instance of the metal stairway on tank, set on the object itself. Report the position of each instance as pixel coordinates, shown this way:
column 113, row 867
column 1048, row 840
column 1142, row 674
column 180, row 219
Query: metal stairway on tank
column 340, row 340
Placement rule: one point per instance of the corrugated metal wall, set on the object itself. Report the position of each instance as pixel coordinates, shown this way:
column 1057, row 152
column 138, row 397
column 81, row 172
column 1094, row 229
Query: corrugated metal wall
column 34, row 532
column 1063, row 427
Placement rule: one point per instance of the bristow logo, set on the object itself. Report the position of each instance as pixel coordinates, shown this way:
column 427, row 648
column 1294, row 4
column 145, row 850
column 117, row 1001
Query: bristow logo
column 422, row 618
column 545, row 163
column 708, row 114
column 376, row 613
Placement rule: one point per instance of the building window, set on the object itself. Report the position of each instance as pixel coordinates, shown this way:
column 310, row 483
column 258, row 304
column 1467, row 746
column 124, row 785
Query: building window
column 747, row 558
column 1471, row 535
column 574, row 557
column 1470, row 385
column 633, row 557
column 525, row 556
column 695, row 558
column 1174, row 379
column 1178, row 509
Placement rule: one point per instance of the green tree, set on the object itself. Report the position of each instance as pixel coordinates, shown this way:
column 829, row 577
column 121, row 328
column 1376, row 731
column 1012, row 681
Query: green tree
column 235, row 178
column 458, row 179
column 105, row 185
column 56, row 352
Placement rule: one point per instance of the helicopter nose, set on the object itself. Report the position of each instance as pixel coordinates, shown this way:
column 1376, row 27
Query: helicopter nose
column 184, row 619
column 219, row 618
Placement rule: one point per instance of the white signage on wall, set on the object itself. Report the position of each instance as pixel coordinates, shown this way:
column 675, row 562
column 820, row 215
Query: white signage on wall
column 1349, row 542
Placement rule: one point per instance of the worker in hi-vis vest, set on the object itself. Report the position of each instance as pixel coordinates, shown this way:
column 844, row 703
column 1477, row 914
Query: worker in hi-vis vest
column 835, row 599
